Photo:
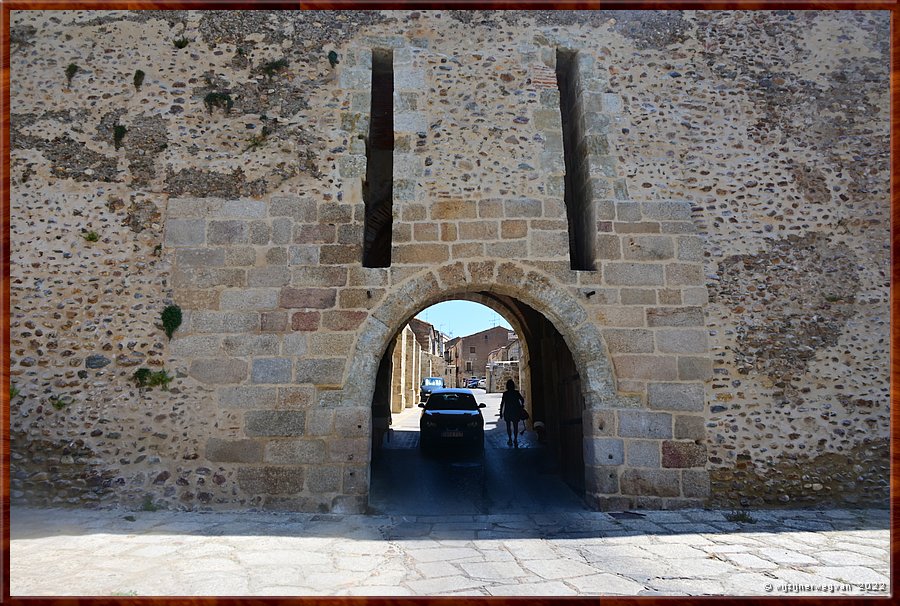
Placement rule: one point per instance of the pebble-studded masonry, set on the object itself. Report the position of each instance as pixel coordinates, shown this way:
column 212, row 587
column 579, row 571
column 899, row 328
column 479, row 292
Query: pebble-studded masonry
column 735, row 346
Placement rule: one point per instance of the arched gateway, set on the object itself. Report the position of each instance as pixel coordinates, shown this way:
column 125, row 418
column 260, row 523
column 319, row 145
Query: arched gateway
column 309, row 446
column 287, row 359
column 559, row 396
column 507, row 278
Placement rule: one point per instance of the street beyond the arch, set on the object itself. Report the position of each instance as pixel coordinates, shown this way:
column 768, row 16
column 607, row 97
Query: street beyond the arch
column 457, row 480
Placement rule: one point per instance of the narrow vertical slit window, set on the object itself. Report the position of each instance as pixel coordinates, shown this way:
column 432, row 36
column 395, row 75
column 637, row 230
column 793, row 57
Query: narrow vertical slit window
column 578, row 195
column 378, row 188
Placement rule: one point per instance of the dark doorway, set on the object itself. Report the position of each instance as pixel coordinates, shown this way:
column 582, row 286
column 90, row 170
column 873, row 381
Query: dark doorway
column 545, row 474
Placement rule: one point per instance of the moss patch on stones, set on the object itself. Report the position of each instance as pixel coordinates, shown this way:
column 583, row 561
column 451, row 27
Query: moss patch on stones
column 21, row 35
column 309, row 28
column 141, row 215
column 793, row 298
column 147, row 139
column 72, row 159
column 57, row 473
column 856, row 477
column 209, row 184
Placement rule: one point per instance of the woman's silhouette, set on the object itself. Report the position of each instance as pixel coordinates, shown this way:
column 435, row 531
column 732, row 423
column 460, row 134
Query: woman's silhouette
column 511, row 406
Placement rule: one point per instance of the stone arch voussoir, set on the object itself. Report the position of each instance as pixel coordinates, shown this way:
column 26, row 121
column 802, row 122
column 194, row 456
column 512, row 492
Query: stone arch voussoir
column 508, row 278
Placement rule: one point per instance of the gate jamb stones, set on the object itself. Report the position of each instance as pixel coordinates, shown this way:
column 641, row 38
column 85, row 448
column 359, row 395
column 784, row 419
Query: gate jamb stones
column 639, row 449
column 508, row 278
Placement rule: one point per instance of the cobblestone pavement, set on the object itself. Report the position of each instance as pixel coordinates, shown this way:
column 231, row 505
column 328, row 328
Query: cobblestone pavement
column 574, row 553
column 689, row 552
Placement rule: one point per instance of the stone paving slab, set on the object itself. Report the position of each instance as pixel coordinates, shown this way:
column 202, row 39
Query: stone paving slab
column 117, row 552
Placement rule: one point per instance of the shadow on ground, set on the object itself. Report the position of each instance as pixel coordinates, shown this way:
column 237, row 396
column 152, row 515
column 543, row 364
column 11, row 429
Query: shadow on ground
column 451, row 494
column 33, row 523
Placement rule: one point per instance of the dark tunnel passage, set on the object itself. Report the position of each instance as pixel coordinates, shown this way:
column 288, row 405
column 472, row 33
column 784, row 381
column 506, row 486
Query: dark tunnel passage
column 549, row 476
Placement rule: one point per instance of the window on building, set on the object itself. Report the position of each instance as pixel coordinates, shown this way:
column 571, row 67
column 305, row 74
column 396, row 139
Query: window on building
column 469, row 366
column 472, row 350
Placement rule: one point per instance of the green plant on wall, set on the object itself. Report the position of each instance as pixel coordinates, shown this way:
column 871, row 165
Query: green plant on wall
column 259, row 139
column 13, row 392
column 181, row 42
column 119, row 134
column 138, row 79
column 221, row 101
column 171, row 319
column 70, row 73
column 273, row 67
column 141, row 376
column 91, row 236
column 145, row 378
column 59, row 402
column 741, row 515
column 159, row 378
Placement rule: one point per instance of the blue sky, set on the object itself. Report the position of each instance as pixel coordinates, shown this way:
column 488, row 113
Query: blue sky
column 461, row 318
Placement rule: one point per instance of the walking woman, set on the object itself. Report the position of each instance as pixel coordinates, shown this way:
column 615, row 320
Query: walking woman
column 511, row 407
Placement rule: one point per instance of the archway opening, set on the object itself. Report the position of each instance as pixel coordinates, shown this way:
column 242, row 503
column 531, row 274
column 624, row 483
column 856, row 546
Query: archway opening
column 545, row 474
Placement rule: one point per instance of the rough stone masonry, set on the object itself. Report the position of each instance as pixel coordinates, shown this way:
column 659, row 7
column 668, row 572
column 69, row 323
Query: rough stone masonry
column 731, row 338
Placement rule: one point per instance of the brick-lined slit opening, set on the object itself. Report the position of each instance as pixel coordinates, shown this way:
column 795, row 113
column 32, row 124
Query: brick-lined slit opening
column 379, row 185
column 578, row 199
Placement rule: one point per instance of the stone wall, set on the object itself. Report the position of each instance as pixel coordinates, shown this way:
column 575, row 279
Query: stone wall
column 499, row 373
column 733, row 338
column 432, row 365
column 406, row 374
column 781, row 146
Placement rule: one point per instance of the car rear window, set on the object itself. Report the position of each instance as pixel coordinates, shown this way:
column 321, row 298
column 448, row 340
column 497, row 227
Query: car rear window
column 434, row 382
column 451, row 401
